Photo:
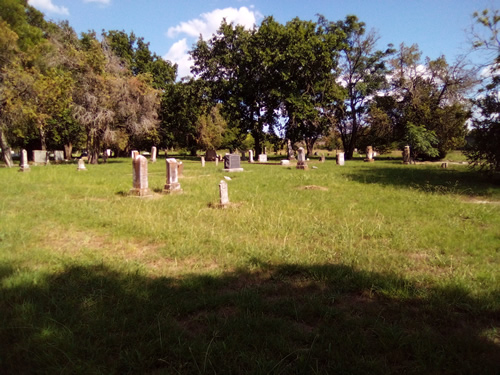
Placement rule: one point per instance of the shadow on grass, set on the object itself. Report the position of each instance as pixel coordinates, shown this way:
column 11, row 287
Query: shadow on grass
column 430, row 179
column 281, row 320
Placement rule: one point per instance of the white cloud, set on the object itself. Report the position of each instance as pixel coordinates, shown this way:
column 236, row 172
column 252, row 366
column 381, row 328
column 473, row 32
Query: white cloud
column 208, row 23
column 49, row 7
column 103, row 2
column 178, row 54
column 205, row 25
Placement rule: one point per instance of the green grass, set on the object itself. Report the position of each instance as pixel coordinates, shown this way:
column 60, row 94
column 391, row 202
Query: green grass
column 368, row 268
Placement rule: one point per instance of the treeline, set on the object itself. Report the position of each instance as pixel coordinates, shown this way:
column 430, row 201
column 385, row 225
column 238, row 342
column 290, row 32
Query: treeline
column 301, row 81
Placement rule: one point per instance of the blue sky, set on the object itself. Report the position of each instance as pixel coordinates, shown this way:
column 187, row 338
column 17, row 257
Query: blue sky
column 439, row 27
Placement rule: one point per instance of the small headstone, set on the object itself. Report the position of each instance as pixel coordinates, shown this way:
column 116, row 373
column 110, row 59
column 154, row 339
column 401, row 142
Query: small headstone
column 210, row 155
column 224, row 195
column 202, row 161
column 24, row 165
column 59, row 156
column 217, row 161
column 301, row 159
column 285, row 162
column 232, row 163
column 81, row 165
column 263, row 158
column 40, row 157
column 108, row 152
column 180, row 168
column 153, row 154
column 406, row 155
column 250, row 156
column 140, row 177
column 133, row 154
column 340, row 158
column 322, row 158
column 172, row 185
column 291, row 154
column 369, row 154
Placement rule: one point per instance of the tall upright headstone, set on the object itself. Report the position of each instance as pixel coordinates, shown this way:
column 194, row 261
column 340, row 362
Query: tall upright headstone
column 224, row 195
column 172, row 185
column 290, row 152
column 180, row 168
column 202, row 161
column 81, row 166
column 340, row 158
column 217, row 161
column 250, row 156
column 301, row 159
column 406, row 155
column 369, row 154
column 153, row 154
column 24, row 165
column 140, row 177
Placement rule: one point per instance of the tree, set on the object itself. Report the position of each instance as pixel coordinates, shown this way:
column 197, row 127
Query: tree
column 238, row 65
column 484, row 150
column 210, row 129
column 427, row 103
column 363, row 74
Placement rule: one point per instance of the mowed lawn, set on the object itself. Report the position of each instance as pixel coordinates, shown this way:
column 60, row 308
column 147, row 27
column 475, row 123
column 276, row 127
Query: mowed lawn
column 369, row 268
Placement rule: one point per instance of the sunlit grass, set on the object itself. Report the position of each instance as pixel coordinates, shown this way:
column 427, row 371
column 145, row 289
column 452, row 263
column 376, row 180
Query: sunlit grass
column 94, row 280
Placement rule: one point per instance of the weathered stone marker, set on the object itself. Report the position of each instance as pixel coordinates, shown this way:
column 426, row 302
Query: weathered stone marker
column 58, row 156
column 133, row 154
column 250, row 156
column 232, row 163
column 81, row 165
column 153, row 154
column 291, row 154
column 444, row 165
column 140, row 177
column 369, row 154
column 301, row 159
column 224, row 195
column 180, row 168
column 322, row 158
column 263, row 158
column 285, row 162
column 202, row 161
column 340, row 158
column 406, row 155
column 40, row 157
column 24, row 165
column 210, row 155
column 172, row 185
column 217, row 161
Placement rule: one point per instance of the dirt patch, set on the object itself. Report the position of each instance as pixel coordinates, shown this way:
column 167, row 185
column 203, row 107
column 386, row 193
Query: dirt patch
column 313, row 187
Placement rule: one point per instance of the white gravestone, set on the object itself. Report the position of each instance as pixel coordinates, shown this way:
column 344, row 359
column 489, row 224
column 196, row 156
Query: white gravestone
column 224, row 195
column 153, row 154
column 369, row 154
column 172, row 185
column 24, row 165
column 263, row 158
column 406, row 155
column 81, row 165
column 140, row 177
column 340, row 158
column 250, row 156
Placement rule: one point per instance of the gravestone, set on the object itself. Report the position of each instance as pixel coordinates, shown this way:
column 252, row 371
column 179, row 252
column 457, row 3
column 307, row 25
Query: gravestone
column 340, row 158
column 250, row 156
column 263, row 158
column 59, row 156
column 322, row 158
column 232, row 163
column 224, row 195
column 172, row 185
column 202, row 161
column 40, row 157
column 180, row 168
column 153, row 154
column 140, row 177
column 24, row 165
column 291, row 154
column 217, row 161
column 81, row 165
column 285, row 162
column 444, row 165
column 108, row 152
column 133, row 154
column 210, row 155
column 369, row 154
column 301, row 159
column 406, row 155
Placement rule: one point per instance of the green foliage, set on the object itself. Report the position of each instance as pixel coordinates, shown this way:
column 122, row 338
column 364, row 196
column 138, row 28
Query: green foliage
column 421, row 140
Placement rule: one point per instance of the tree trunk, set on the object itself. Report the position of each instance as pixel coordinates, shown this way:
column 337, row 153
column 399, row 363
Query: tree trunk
column 93, row 157
column 7, row 155
column 68, row 150
column 43, row 140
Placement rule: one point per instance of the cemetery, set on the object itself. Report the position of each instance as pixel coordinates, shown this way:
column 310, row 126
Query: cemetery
column 289, row 262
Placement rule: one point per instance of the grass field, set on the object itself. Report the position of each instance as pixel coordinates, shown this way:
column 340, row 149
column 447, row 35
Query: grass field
column 375, row 268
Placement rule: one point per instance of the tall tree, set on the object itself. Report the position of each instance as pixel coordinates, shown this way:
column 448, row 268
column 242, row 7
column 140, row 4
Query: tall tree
column 363, row 74
column 484, row 150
